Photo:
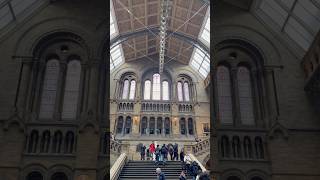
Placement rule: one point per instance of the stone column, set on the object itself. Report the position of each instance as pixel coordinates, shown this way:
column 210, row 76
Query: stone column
column 60, row 90
column 135, row 126
column 24, row 86
column 93, row 88
column 163, row 128
column 175, row 127
column 235, row 102
column 148, row 127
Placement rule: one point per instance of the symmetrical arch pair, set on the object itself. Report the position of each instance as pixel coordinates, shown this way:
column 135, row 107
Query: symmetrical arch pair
column 57, row 77
column 35, row 175
column 238, row 85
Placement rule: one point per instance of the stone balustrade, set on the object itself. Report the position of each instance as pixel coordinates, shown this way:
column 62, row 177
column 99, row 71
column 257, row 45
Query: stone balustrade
column 115, row 146
column 199, row 147
column 156, row 106
column 125, row 105
column 185, row 107
column 117, row 166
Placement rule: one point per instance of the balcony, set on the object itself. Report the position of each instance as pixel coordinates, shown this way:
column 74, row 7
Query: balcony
column 185, row 107
column 156, row 106
column 125, row 106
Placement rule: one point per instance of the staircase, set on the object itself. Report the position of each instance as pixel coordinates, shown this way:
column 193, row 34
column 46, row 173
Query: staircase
column 147, row 170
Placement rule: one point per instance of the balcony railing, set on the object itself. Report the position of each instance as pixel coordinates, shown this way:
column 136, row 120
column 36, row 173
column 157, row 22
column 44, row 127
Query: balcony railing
column 185, row 107
column 125, row 105
column 155, row 106
column 199, row 148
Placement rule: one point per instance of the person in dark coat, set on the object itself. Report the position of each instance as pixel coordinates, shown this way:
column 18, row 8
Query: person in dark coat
column 171, row 152
column 182, row 155
column 175, row 152
column 164, row 152
column 160, row 174
column 158, row 153
column 204, row 176
column 194, row 169
column 182, row 176
column 143, row 152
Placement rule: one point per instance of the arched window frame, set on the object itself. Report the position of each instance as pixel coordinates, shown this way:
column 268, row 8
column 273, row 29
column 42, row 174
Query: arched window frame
column 77, row 91
column 224, row 85
column 129, row 94
column 242, row 55
column 184, row 80
column 164, row 78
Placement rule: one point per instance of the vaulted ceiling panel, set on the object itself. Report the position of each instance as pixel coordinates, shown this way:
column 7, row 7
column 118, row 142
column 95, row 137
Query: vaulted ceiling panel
column 186, row 16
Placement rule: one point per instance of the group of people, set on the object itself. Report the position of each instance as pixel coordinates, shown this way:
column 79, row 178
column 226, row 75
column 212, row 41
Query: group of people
column 160, row 154
column 201, row 176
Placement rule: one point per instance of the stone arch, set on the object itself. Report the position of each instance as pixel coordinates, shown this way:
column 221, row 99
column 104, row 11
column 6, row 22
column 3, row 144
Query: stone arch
column 60, row 168
column 32, row 36
column 233, row 173
column 33, row 168
column 254, row 173
column 264, row 44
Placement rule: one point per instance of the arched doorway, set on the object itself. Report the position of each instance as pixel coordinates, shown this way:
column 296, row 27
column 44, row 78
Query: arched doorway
column 34, row 176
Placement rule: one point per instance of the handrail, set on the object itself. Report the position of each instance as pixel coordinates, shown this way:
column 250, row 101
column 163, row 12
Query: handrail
column 193, row 158
column 117, row 166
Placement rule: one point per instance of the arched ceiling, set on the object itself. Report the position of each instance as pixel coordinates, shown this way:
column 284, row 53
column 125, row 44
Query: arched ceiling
column 187, row 17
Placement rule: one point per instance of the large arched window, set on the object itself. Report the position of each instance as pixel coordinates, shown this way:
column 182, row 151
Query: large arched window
column 186, row 91
column 147, row 90
column 156, row 87
column 224, row 95
column 120, row 125
column 144, row 125
column 34, row 176
column 125, row 89
column 180, row 93
column 159, row 125
column 49, row 89
column 167, row 125
column 132, row 89
column 165, row 90
column 152, row 125
column 245, row 96
column 128, row 125
column 183, row 126
column 190, row 126
column 71, row 92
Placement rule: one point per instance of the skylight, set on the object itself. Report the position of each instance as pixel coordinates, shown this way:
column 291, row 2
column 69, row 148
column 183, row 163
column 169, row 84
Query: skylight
column 299, row 20
column 17, row 10
column 116, row 53
column 205, row 30
column 200, row 62
column 116, row 57
column 113, row 22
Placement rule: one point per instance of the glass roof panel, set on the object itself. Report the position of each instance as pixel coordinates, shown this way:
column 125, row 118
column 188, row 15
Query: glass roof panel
column 200, row 63
column 298, row 20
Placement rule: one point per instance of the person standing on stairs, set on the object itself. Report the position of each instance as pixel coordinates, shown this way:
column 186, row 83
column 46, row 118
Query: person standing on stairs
column 157, row 154
column 182, row 176
column 160, row 174
column 143, row 152
column 175, row 152
column 171, row 152
column 152, row 149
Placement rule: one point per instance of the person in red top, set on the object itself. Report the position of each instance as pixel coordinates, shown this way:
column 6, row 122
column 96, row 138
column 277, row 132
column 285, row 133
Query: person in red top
column 152, row 149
